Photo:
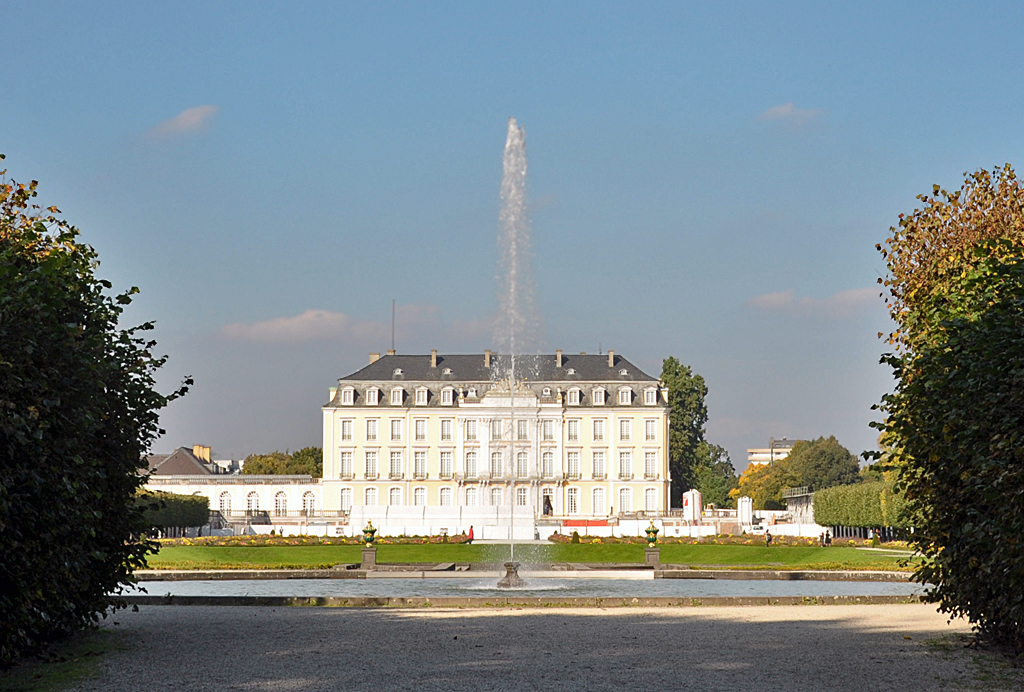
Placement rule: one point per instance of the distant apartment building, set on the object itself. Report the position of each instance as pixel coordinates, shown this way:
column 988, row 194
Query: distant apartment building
column 777, row 450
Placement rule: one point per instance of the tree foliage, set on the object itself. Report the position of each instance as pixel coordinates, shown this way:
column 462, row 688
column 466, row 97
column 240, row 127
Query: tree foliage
column 170, row 510
column 869, row 505
column 714, row 475
column 77, row 412
column 308, row 461
column 687, row 416
column 957, row 417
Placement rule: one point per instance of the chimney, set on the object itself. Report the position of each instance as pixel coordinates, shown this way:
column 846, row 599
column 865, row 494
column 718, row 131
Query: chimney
column 201, row 452
column 558, row 358
column 611, row 359
column 487, row 358
column 374, row 357
column 391, row 351
column 433, row 357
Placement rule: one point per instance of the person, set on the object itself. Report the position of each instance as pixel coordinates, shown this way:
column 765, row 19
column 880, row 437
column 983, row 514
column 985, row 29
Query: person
column 821, row 539
column 828, row 539
column 767, row 539
column 469, row 538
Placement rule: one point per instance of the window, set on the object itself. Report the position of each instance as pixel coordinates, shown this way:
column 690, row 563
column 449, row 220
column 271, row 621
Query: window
column 396, row 430
column 471, row 469
column 625, row 500
column 225, row 503
column 496, row 465
column 546, row 392
column 346, row 430
column 446, row 430
column 548, row 464
column 419, row 497
column 372, row 396
column 547, row 501
column 650, row 430
column 446, row 396
column 573, row 430
column 598, row 465
column 573, row 497
column 495, row 429
column 547, row 429
column 471, row 431
column 599, row 430
column 371, row 430
column 395, row 468
column 573, row 464
column 446, row 497
column 650, row 465
column 471, row 497
column 625, row 429
column 497, row 497
column 598, row 397
column 396, row 396
column 598, row 502
column 346, row 464
column 395, row 497
column 280, row 504
column 370, row 464
column 419, row 463
column 522, row 465
column 625, row 465
column 421, row 397
column 308, row 503
column 651, row 500
column 252, row 502
column 346, row 499
column 446, row 465
column 347, row 396
column 420, row 430
column 521, row 497
column 650, row 397
column 471, row 393
column 522, row 430
column 371, row 497
column 573, row 397
column 625, row 397
column 397, row 372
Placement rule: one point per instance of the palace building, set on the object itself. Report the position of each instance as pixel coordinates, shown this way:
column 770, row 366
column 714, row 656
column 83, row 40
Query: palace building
column 441, row 439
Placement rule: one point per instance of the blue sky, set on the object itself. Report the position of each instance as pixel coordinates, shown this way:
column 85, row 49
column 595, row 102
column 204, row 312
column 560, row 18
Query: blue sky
column 707, row 181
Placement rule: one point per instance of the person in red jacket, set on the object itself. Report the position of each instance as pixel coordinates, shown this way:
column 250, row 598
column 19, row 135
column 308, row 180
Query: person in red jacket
column 469, row 538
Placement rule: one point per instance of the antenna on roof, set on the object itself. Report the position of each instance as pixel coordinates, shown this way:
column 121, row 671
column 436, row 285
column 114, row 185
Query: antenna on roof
column 392, row 324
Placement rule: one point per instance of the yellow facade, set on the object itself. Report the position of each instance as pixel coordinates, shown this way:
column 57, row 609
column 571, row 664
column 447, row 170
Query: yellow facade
column 561, row 446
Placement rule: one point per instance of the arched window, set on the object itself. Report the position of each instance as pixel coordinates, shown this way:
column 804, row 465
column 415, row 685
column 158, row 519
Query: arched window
column 446, row 497
column 419, row 497
column 252, row 502
column 346, row 499
column 395, row 497
column 280, row 504
column 496, row 465
column 225, row 503
column 573, row 500
column 651, row 500
column 471, row 497
column 497, row 497
column 371, row 497
column 625, row 500
column 521, row 496
column 308, row 503
column 599, row 506
column 522, row 465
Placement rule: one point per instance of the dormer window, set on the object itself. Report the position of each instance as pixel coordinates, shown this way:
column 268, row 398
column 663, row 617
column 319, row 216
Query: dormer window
column 447, row 396
column 623, row 372
column 348, row 395
column 398, row 372
column 446, row 371
column 570, row 371
column 625, row 396
column 396, row 396
column 421, row 396
column 597, row 396
column 546, row 392
column 573, row 397
column 372, row 396
column 650, row 396
column 471, row 393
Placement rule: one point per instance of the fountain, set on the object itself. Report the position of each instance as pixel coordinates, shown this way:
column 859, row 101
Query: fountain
column 515, row 328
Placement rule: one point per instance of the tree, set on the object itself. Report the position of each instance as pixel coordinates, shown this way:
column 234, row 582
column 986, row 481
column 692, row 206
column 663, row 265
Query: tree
column 308, row 461
column 764, row 485
column 78, row 410
column 822, row 463
column 714, row 475
column 171, row 511
column 687, row 417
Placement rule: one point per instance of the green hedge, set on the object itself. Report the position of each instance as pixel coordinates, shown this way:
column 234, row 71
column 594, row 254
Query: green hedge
column 863, row 504
column 168, row 510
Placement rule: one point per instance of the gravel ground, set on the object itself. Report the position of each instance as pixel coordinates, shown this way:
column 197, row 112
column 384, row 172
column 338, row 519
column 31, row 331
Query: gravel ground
column 863, row 647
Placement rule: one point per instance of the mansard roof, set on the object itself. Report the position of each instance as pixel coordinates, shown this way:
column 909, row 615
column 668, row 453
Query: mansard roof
column 471, row 368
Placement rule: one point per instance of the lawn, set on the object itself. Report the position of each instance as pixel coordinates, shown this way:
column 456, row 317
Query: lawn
column 321, row 556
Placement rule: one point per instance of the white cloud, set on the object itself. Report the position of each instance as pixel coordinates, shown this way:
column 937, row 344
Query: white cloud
column 412, row 322
column 838, row 305
column 189, row 120
column 789, row 113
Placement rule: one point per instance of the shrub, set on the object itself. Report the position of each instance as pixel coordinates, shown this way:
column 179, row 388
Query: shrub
column 169, row 510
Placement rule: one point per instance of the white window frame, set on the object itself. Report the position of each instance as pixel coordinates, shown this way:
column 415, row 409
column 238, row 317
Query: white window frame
column 625, row 465
column 372, row 396
column 651, row 500
column 650, row 430
column 651, row 396
column 346, row 430
column 252, row 501
column 496, row 425
column 472, row 464
column 472, row 497
column 396, row 429
column 598, row 507
column 371, row 429
column 397, row 395
column 447, row 463
column 446, row 429
column 625, row 499
column 599, row 429
column 625, row 429
column 650, row 465
column 522, row 464
column 522, row 497
column 547, row 430
column 371, row 464
column 572, row 501
column 497, row 465
column 572, row 430
column 280, row 504
column 599, row 464
column 447, row 396
column 444, row 497
column 572, row 397
column 547, row 463
column 522, row 430
column 497, row 496
column 572, row 465
column 224, row 503
column 419, row 496
column 345, row 499
column 348, row 396
column 597, row 397
column 308, row 503
column 419, row 464
column 395, row 463
column 420, row 430
column 471, row 430
column 421, row 396
column 393, row 494
column 346, row 464
column 625, row 396
column 370, row 497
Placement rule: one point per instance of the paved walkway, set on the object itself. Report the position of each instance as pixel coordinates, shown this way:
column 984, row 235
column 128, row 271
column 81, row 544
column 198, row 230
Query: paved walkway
column 865, row 647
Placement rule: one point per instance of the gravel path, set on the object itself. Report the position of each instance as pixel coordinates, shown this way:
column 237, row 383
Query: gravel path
column 792, row 648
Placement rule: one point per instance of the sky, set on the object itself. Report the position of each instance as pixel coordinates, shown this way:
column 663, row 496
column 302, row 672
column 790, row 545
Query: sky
column 706, row 180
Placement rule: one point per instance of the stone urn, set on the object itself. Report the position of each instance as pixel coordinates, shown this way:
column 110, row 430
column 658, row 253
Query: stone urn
column 511, row 580
column 369, row 533
column 652, row 534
